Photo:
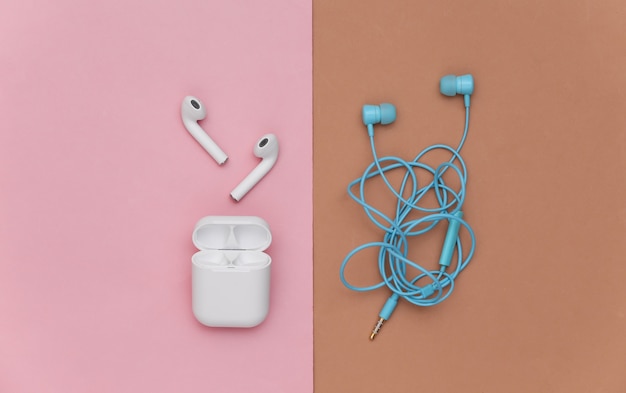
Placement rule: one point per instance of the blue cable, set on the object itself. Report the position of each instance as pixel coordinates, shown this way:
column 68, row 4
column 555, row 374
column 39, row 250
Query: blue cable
column 423, row 287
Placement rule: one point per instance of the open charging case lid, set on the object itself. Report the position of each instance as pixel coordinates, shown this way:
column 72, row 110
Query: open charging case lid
column 232, row 242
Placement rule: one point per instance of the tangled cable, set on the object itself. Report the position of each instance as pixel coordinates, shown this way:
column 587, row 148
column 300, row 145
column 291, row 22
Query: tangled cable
column 428, row 287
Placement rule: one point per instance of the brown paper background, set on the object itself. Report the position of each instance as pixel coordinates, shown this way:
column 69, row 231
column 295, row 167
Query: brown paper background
column 542, row 306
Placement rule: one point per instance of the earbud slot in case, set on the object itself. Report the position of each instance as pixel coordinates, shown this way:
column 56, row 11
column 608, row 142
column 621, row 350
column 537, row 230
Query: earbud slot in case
column 230, row 277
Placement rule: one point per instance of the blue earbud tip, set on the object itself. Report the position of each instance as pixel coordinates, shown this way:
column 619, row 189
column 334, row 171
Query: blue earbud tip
column 387, row 113
column 447, row 85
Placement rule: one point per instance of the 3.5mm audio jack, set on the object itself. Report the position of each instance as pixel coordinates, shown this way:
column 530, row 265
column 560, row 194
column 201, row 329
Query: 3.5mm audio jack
column 385, row 313
column 377, row 328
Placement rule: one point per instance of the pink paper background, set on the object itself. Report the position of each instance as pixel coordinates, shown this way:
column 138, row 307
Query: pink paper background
column 100, row 187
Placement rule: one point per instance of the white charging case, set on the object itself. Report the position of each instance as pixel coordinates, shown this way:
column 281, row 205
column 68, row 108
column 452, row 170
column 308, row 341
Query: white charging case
column 230, row 275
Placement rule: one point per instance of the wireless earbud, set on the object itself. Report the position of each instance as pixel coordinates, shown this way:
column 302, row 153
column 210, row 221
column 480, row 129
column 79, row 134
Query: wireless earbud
column 373, row 114
column 191, row 111
column 267, row 150
column 451, row 85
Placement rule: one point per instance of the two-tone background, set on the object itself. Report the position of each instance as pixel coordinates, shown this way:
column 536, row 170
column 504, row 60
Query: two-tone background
column 100, row 187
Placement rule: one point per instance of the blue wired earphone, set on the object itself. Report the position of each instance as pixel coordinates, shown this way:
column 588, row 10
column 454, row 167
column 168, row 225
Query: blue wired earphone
column 419, row 285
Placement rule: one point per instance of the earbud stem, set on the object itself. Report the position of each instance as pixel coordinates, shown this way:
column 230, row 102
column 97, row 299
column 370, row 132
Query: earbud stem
column 252, row 179
column 466, row 98
column 206, row 142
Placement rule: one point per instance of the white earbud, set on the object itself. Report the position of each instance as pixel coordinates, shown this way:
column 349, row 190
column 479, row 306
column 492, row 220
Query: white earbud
column 191, row 111
column 267, row 150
